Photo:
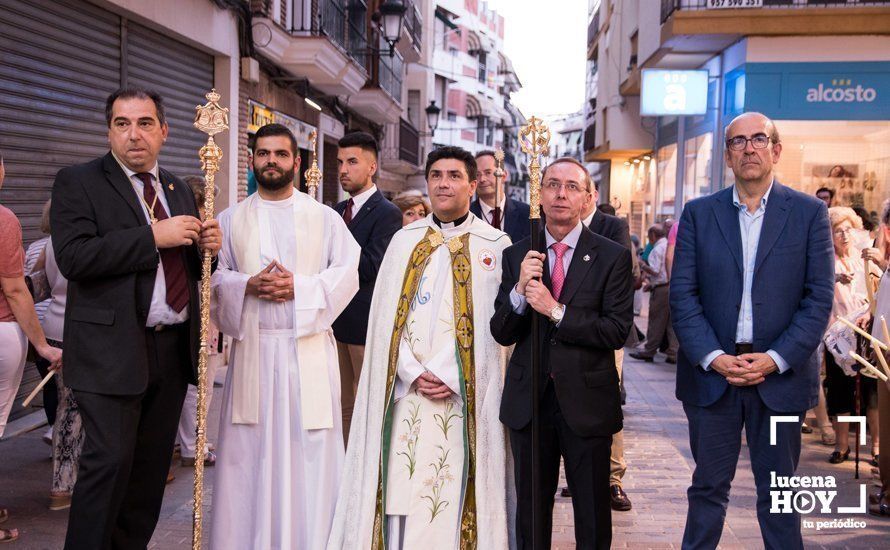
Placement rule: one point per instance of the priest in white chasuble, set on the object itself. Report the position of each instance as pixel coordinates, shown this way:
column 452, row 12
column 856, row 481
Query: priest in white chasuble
column 427, row 463
column 287, row 268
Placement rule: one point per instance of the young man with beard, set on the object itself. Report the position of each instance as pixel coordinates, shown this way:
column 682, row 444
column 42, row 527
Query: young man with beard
column 372, row 220
column 288, row 267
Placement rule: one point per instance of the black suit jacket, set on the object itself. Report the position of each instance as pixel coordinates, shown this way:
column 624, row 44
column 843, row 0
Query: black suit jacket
column 372, row 228
column 104, row 246
column 580, row 353
column 515, row 218
column 611, row 227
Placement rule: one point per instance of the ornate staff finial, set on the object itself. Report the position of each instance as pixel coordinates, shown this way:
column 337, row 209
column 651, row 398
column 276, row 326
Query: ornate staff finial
column 211, row 119
column 534, row 139
column 499, row 164
column 313, row 174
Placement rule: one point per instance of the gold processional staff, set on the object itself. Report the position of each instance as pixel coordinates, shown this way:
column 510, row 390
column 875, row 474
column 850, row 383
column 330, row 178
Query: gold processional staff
column 210, row 119
column 534, row 138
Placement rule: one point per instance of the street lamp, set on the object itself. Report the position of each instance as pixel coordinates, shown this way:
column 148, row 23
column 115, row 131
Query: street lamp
column 432, row 116
column 392, row 15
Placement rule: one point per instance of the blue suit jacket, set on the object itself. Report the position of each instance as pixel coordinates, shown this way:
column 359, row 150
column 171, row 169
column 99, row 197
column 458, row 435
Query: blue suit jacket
column 515, row 218
column 792, row 293
column 372, row 228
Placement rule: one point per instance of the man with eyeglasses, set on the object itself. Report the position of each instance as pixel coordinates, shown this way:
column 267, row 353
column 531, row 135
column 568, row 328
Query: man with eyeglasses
column 582, row 286
column 751, row 293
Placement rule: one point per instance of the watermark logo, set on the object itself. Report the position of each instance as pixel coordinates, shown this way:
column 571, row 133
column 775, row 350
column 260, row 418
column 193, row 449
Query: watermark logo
column 841, row 90
column 814, row 494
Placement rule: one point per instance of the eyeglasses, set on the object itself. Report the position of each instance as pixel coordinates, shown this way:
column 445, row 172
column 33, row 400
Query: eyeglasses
column 758, row 141
column 553, row 186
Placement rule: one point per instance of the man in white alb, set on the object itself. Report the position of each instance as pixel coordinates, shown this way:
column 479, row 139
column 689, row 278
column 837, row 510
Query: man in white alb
column 287, row 269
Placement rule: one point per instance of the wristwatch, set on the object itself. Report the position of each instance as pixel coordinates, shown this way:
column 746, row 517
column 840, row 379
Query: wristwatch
column 557, row 313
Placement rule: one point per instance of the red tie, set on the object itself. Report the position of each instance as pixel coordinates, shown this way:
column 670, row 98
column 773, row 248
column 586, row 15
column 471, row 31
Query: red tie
column 496, row 217
column 558, row 274
column 171, row 258
column 347, row 214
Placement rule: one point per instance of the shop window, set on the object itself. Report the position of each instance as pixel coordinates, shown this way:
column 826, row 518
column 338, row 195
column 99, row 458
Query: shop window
column 666, row 182
column 698, row 167
column 851, row 157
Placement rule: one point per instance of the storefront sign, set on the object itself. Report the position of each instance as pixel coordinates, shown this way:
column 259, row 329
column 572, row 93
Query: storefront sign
column 666, row 92
column 259, row 115
column 819, row 91
column 733, row 4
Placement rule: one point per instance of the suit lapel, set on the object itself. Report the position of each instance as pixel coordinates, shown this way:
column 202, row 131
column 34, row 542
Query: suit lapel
column 727, row 216
column 174, row 198
column 476, row 209
column 579, row 267
column 369, row 205
column 596, row 224
column 119, row 181
column 774, row 220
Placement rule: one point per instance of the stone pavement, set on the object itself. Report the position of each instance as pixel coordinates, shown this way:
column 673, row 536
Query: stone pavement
column 659, row 470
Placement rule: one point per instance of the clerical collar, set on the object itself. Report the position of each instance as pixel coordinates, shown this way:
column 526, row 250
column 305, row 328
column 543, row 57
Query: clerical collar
column 450, row 225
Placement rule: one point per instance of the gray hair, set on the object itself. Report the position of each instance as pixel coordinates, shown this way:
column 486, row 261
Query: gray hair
column 885, row 213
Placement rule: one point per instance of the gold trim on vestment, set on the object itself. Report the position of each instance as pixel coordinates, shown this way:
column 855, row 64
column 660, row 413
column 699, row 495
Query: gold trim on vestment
column 463, row 321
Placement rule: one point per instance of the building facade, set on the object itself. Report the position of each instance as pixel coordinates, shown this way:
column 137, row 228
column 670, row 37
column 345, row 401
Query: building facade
column 819, row 69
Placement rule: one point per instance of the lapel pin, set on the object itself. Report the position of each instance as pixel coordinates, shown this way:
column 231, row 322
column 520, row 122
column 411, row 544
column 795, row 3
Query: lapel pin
column 586, row 258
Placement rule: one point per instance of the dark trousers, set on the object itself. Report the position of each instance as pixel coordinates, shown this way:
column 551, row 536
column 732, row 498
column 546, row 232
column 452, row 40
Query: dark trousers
column 587, row 472
column 715, row 434
column 127, row 450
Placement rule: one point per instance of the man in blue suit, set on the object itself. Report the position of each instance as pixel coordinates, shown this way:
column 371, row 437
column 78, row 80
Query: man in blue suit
column 372, row 220
column 493, row 205
column 751, row 294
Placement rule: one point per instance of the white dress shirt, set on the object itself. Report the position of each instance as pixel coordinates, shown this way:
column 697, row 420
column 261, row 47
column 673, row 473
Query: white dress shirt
column 359, row 200
column 488, row 211
column 750, row 224
column 160, row 313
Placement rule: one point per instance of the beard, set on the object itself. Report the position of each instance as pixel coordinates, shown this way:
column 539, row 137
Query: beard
column 279, row 181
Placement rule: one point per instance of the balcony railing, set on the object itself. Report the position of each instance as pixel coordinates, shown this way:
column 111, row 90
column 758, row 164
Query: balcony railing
column 590, row 137
column 389, row 71
column 593, row 27
column 344, row 23
column 670, row 6
column 409, row 143
column 414, row 25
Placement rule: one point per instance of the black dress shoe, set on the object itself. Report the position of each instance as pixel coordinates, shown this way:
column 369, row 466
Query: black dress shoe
column 620, row 502
column 837, row 457
column 565, row 493
column 642, row 357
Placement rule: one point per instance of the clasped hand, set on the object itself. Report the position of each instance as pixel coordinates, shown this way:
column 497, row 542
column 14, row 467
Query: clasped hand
column 429, row 386
column 186, row 231
column 748, row 369
column 274, row 283
column 536, row 293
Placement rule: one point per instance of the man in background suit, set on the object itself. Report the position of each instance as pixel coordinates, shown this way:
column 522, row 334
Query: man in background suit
column 751, row 291
column 372, row 220
column 583, row 288
column 493, row 205
column 616, row 230
column 127, row 237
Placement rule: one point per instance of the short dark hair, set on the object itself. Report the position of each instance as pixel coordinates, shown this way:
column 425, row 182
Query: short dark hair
column 274, row 129
column 135, row 93
column 362, row 140
column 826, row 190
column 452, row 152
column 485, row 153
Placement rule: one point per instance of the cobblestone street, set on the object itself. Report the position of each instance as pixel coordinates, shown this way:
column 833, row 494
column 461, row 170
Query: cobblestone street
column 659, row 470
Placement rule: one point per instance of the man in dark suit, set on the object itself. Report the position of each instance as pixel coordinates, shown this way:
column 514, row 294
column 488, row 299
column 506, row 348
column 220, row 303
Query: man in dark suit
column 751, row 292
column 372, row 220
column 616, row 230
column 127, row 238
column 493, row 205
column 582, row 287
